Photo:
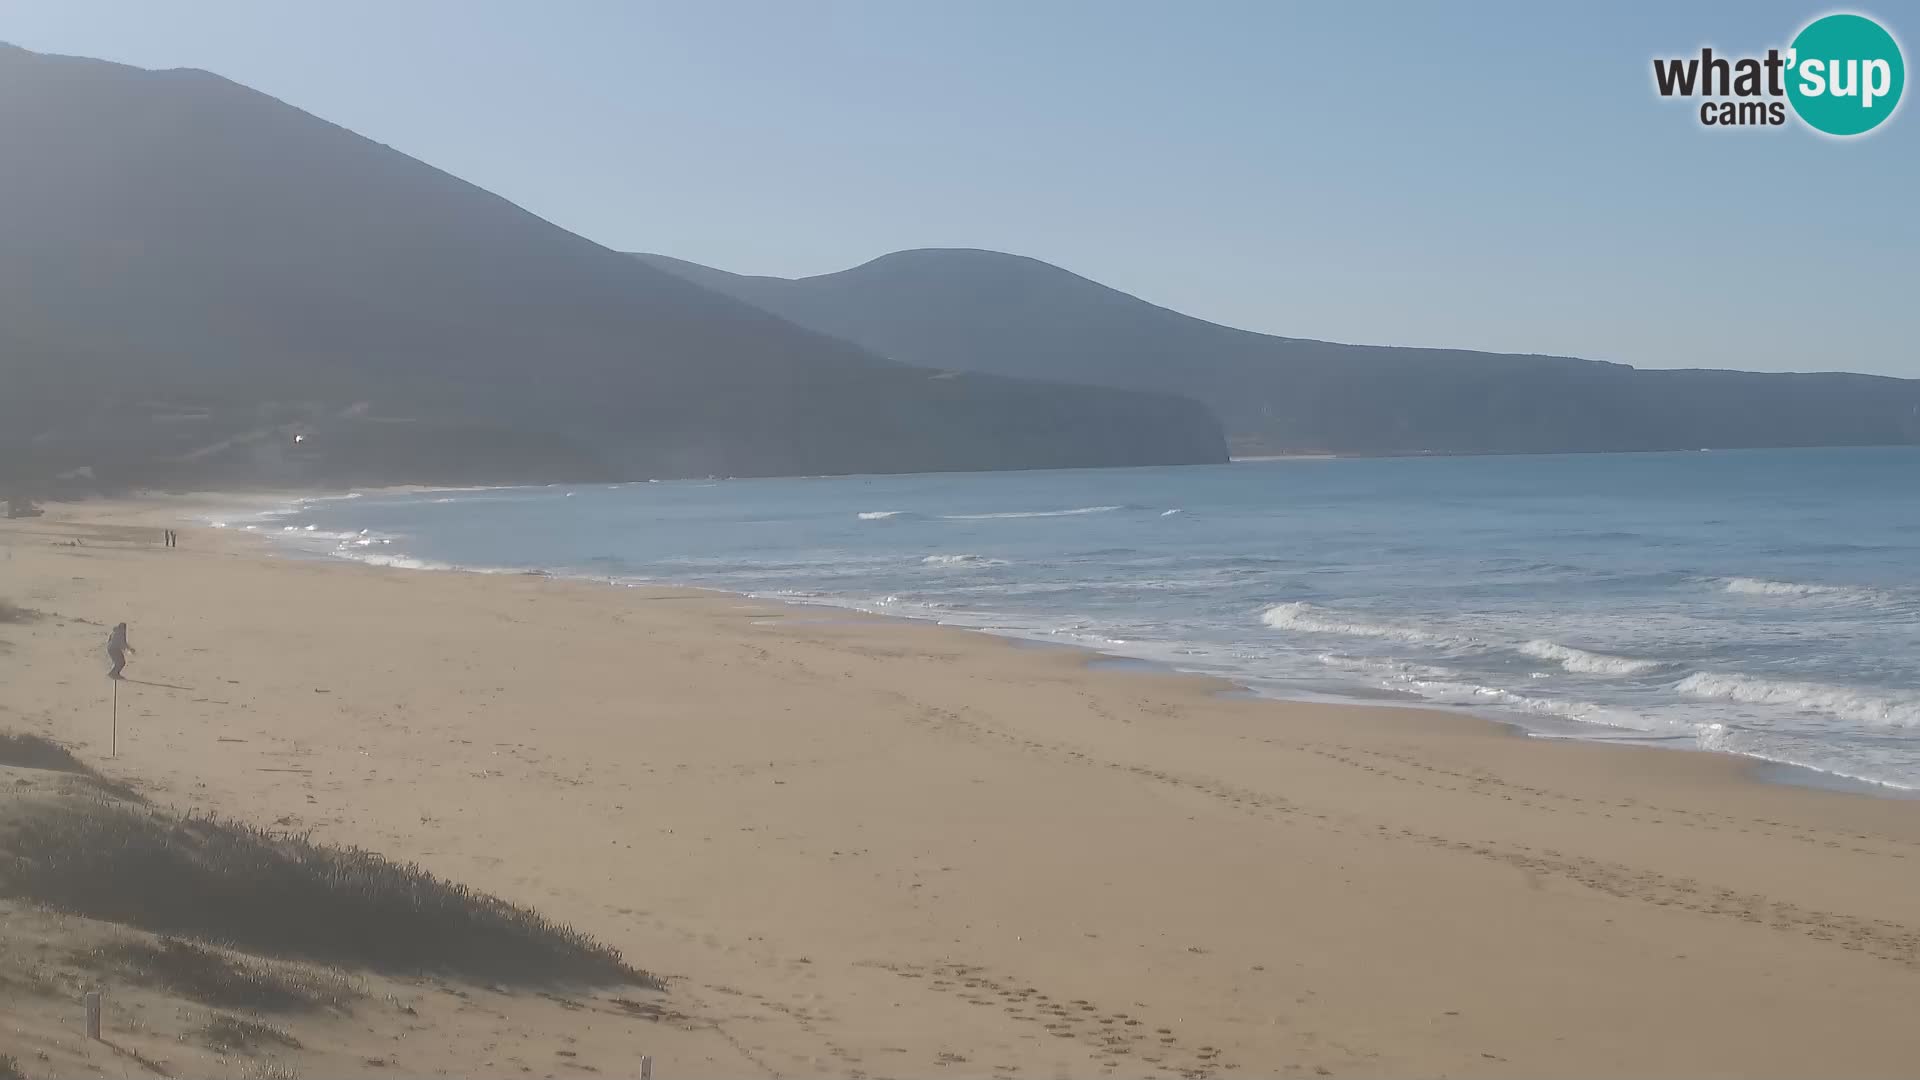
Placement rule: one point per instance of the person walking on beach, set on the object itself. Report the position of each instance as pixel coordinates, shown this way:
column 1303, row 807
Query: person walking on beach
column 117, row 650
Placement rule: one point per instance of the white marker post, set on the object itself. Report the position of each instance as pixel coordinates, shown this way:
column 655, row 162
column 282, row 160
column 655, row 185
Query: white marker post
column 92, row 998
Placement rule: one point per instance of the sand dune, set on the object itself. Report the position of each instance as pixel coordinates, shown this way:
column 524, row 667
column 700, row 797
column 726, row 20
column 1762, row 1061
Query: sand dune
column 864, row 846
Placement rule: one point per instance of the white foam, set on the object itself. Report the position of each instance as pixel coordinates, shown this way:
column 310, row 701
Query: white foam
column 1728, row 741
column 1170, row 513
column 398, row 562
column 1033, row 513
column 962, row 560
column 1864, row 707
column 1588, row 663
column 1392, row 670
column 1480, row 696
column 1302, row 616
column 408, row 562
column 1747, row 586
column 879, row 515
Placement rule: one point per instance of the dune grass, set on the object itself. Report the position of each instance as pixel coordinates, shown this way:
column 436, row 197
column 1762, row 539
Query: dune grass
column 237, row 1034
column 27, row 751
column 212, row 977
column 283, row 895
column 11, row 612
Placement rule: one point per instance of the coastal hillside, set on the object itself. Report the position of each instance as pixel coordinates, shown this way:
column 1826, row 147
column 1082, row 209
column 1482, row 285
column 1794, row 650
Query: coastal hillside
column 1005, row 314
column 201, row 284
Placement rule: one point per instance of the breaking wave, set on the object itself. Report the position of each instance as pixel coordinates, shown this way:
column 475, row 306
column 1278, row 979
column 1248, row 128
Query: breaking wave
column 1300, row 615
column 1589, row 663
column 1877, row 710
column 408, row 562
column 882, row 515
column 1747, row 586
column 1032, row 513
column 962, row 560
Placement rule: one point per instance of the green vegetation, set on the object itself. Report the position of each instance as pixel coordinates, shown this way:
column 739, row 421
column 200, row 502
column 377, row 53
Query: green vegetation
column 284, row 895
column 268, row 1069
column 216, row 978
column 230, row 1034
column 26, row 751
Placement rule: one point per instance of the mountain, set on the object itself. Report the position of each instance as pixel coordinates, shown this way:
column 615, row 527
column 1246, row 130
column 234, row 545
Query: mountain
column 193, row 273
column 1008, row 315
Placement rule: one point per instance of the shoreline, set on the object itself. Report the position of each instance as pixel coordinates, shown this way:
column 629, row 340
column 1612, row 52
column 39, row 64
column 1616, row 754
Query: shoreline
column 880, row 844
column 1763, row 769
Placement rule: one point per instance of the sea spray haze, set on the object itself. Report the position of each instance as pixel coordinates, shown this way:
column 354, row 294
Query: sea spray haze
column 1761, row 602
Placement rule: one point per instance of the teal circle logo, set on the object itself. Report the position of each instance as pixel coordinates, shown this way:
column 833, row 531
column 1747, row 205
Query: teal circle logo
column 1845, row 74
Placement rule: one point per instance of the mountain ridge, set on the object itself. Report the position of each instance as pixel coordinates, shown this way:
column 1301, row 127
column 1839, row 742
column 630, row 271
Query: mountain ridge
column 178, row 238
column 973, row 309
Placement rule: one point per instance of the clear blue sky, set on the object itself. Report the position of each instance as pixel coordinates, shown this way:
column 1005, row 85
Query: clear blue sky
column 1495, row 176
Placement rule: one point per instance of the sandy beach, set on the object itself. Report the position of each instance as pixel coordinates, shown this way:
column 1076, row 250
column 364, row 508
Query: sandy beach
column 859, row 846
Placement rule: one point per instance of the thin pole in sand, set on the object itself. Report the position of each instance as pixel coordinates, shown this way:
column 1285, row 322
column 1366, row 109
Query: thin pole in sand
column 113, row 744
column 646, row 1068
column 92, row 1000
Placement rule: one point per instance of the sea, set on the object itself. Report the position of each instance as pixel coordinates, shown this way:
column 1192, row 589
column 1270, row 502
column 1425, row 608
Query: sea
column 1763, row 602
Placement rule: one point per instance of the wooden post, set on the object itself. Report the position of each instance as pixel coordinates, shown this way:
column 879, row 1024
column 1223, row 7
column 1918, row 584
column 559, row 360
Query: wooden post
column 646, row 1068
column 92, row 999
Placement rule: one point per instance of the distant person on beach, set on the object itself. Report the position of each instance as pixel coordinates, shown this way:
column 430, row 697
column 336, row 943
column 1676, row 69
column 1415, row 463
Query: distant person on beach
column 117, row 650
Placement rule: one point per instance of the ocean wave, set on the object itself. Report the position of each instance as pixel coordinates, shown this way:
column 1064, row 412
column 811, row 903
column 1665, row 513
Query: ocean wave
column 962, row 560
column 1309, row 618
column 1393, row 670
column 408, row 562
column 1032, row 513
column 1731, row 741
column 1747, row 586
column 1170, row 513
column 1471, row 695
column 1300, row 615
column 1589, row 663
column 882, row 515
column 344, row 538
column 1863, row 707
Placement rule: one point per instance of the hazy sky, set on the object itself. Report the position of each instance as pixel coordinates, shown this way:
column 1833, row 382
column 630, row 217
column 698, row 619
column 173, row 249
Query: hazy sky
column 1480, row 175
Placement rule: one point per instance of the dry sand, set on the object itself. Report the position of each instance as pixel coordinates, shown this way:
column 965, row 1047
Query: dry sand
column 862, row 846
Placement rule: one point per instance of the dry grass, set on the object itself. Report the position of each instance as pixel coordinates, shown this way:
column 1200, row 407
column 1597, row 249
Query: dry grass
column 36, row 752
column 215, row 978
column 11, row 612
column 27, row 751
column 281, row 894
column 237, row 1034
